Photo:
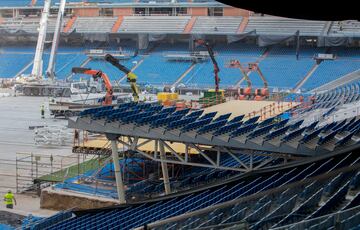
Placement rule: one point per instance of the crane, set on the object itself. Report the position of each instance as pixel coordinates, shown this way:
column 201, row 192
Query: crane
column 247, row 91
column 212, row 56
column 50, row 72
column 97, row 74
column 131, row 77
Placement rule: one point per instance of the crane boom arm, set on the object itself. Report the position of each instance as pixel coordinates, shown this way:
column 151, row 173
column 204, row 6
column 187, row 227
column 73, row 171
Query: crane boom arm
column 215, row 64
column 96, row 74
column 263, row 78
column 244, row 73
column 255, row 67
column 131, row 77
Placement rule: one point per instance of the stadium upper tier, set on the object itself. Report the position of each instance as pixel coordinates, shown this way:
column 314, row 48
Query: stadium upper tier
column 23, row 3
column 226, row 25
column 286, row 136
column 285, row 26
column 278, row 64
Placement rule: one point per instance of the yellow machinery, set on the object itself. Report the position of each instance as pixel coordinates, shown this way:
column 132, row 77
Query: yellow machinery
column 131, row 77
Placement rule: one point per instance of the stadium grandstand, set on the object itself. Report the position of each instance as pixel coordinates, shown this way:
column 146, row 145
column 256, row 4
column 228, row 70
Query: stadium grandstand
column 272, row 144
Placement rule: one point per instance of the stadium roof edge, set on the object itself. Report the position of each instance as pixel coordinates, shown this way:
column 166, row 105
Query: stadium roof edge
column 128, row 4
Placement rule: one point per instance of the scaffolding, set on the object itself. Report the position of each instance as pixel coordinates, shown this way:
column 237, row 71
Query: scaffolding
column 34, row 171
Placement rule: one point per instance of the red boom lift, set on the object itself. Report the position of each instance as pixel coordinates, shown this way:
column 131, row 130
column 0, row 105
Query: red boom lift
column 246, row 93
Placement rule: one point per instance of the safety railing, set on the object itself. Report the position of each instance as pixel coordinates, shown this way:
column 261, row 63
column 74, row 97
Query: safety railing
column 33, row 169
column 271, row 110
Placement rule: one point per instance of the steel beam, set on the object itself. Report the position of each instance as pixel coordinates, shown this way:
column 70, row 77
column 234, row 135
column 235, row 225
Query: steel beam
column 118, row 176
column 172, row 151
column 164, row 169
column 236, row 158
column 204, row 155
column 185, row 162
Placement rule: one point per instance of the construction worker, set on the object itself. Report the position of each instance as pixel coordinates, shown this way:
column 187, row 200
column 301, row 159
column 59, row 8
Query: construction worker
column 42, row 111
column 76, row 137
column 9, row 199
column 312, row 99
column 301, row 98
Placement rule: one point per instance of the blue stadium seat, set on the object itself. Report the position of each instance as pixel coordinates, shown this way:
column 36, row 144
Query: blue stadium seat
column 310, row 136
column 251, row 120
column 212, row 126
column 196, row 124
column 223, row 117
column 227, row 128
column 261, row 131
column 243, row 130
column 237, row 119
column 180, row 123
column 276, row 133
column 293, row 134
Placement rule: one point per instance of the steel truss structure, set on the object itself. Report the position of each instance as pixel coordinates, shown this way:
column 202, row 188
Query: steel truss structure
column 134, row 129
column 164, row 153
column 172, row 157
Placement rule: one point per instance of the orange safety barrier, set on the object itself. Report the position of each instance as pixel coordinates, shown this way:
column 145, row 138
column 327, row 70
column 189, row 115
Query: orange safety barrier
column 117, row 24
column 70, row 24
column 190, row 25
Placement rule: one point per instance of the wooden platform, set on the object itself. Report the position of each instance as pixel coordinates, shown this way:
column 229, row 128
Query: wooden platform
column 102, row 144
column 238, row 107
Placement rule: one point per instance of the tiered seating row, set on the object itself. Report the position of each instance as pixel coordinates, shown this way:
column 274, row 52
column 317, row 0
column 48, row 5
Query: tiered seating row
column 256, row 213
column 273, row 130
column 288, row 206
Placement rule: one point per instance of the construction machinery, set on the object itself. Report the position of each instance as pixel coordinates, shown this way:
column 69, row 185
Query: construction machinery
column 215, row 64
column 260, row 93
column 34, row 84
column 98, row 74
column 212, row 96
column 130, row 76
column 246, row 93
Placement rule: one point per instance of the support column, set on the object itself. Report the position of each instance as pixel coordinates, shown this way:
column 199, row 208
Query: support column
column 118, row 176
column 164, row 169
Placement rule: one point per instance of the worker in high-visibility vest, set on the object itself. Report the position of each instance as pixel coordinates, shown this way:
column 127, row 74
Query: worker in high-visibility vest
column 9, row 199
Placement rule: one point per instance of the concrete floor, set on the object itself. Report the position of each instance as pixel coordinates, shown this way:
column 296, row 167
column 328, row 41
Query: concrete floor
column 17, row 114
column 27, row 204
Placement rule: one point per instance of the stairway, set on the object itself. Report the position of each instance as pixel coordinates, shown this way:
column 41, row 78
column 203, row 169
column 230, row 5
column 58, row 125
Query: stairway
column 243, row 25
column 117, row 24
column 190, row 25
column 132, row 70
column 25, row 68
column 338, row 82
column 183, row 75
column 82, row 65
column 70, row 24
column 308, row 75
